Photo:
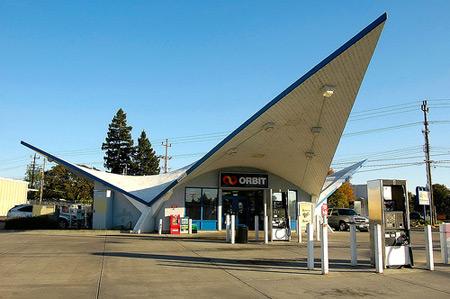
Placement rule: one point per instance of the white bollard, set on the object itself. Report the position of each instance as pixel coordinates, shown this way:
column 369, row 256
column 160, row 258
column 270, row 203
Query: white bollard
column 190, row 226
column 443, row 239
column 354, row 252
column 317, row 224
column 233, row 229
column 160, row 227
column 429, row 247
column 256, row 227
column 309, row 232
column 266, row 229
column 227, row 227
column 299, row 230
column 324, row 245
column 378, row 250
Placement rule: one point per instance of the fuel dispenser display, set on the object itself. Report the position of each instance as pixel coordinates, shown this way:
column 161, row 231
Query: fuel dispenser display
column 388, row 206
column 280, row 217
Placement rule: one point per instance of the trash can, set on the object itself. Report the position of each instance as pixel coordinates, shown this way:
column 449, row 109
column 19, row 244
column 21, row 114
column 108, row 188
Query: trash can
column 242, row 234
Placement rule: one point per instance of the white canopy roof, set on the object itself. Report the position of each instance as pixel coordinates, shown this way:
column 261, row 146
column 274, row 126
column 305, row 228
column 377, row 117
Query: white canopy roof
column 294, row 136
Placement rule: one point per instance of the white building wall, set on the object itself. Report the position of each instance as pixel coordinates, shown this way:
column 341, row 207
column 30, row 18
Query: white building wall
column 112, row 210
column 12, row 192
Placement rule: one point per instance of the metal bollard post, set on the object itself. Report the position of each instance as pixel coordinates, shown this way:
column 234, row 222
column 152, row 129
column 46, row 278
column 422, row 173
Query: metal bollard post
column 378, row 250
column 317, row 223
column 443, row 239
column 256, row 227
column 160, row 227
column 299, row 230
column 429, row 247
column 227, row 227
column 233, row 229
column 324, row 245
column 353, row 244
column 266, row 229
column 190, row 226
column 309, row 232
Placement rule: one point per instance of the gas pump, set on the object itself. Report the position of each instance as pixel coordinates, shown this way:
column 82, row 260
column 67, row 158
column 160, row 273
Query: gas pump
column 388, row 206
column 280, row 217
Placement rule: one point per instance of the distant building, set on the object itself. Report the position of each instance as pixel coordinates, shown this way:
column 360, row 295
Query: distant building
column 12, row 192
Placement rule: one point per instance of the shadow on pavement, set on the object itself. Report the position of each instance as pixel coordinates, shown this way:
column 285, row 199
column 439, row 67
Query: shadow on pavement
column 260, row 265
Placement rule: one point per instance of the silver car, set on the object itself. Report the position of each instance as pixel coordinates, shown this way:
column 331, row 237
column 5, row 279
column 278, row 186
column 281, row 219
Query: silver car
column 340, row 219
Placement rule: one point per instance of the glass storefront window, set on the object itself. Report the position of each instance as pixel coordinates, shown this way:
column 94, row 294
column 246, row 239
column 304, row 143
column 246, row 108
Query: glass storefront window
column 201, row 203
column 193, row 202
column 209, row 197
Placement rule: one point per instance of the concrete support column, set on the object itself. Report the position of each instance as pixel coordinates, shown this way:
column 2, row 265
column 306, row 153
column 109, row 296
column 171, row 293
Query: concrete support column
column 256, row 227
column 233, row 229
column 324, row 245
column 379, row 265
column 160, row 227
column 310, row 236
column 299, row 229
column 429, row 248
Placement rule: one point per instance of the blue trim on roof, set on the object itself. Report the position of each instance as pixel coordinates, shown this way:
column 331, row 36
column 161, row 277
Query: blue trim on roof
column 297, row 83
column 83, row 172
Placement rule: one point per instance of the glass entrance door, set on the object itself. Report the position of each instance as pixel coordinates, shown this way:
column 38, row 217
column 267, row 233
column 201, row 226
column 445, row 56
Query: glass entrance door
column 245, row 205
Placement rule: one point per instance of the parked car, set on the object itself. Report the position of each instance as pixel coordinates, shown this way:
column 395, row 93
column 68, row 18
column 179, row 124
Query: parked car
column 340, row 219
column 20, row 211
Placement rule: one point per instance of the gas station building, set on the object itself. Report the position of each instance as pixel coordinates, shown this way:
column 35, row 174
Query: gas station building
column 281, row 153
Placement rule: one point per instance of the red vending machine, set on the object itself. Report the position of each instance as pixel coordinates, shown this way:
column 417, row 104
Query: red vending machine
column 175, row 224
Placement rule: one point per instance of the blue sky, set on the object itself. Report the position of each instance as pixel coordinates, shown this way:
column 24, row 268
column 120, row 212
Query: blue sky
column 183, row 68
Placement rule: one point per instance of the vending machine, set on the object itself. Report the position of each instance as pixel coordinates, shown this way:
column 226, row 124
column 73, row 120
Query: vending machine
column 388, row 206
column 280, row 217
column 175, row 224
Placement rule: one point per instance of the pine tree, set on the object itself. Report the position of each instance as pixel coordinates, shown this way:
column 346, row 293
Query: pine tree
column 146, row 161
column 118, row 145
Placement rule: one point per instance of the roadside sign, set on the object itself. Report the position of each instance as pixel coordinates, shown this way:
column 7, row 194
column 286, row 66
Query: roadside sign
column 324, row 210
column 424, row 198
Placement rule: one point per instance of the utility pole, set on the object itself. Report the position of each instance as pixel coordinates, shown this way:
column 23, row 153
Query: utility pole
column 33, row 169
column 166, row 156
column 42, row 182
column 426, row 131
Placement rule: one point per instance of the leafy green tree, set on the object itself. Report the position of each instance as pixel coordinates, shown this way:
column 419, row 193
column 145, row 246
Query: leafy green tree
column 118, row 145
column 61, row 183
column 342, row 197
column 145, row 160
column 441, row 196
